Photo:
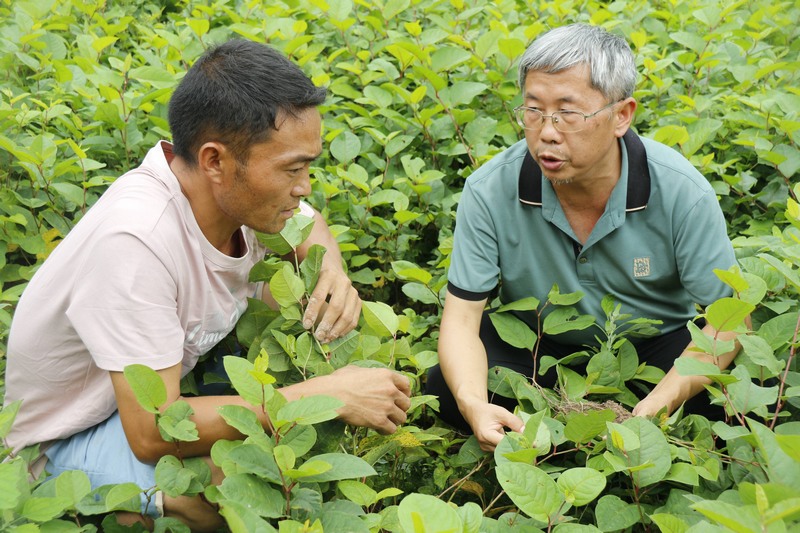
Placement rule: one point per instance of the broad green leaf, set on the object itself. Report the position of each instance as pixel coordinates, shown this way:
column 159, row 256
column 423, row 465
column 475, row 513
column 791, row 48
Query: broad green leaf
column 739, row 518
column 525, row 304
column 284, row 457
column 531, row 489
column 73, row 485
column 408, row 271
column 622, row 438
column 471, row 516
column 254, row 494
column 689, row 366
column 683, row 473
column 311, row 266
column 69, row 191
column 199, row 26
column 653, row 452
column 727, row 314
column 241, row 519
column 581, row 485
column 582, row 427
column 446, row 58
column 555, row 297
column 286, row 287
column 564, row 319
column 249, row 388
column 613, row 514
column 343, row 466
column 462, row 93
column 241, row 419
column 123, row 497
column 511, row 48
column 760, row 352
column 174, row 423
column 397, row 144
column 671, row 135
column 513, row 330
column 175, row 479
column 420, row 293
column 381, row 318
column 422, row 512
column 293, row 234
column 345, row 147
column 790, row 444
column 668, row 523
column 44, row 509
column 7, row 415
column 780, row 466
column 310, row 468
column 300, row 438
column 357, row 492
column 538, row 433
column 252, row 459
column 340, row 9
column 746, row 395
column 309, row 410
column 147, row 386
column 700, row 133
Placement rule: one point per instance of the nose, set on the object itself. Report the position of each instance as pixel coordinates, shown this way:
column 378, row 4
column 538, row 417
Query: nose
column 548, row 132
column 302, row 187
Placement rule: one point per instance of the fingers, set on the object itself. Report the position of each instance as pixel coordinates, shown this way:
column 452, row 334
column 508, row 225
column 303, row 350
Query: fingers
column 377, row 398
column 338, row 301
column 489, row 425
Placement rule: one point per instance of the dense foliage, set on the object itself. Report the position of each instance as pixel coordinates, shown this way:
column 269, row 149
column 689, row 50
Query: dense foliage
column 420, row 93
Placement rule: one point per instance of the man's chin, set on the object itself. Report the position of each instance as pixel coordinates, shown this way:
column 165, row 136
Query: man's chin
column 555, row 182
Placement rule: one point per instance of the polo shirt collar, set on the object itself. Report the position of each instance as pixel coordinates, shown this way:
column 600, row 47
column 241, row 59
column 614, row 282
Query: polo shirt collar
column 638, row 187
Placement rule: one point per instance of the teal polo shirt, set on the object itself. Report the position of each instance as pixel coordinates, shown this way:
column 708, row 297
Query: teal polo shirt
column 654, row 248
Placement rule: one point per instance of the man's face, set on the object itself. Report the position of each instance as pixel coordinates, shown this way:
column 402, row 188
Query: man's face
column 576, row 156
column 264, row 194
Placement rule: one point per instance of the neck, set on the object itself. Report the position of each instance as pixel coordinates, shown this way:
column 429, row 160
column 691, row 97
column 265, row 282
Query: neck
column 218, row 229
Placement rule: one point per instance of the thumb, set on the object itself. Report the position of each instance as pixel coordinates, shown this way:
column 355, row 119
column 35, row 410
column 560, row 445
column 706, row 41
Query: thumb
column 513, row 422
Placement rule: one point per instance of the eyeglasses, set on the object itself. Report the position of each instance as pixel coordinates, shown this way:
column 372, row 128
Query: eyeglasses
column 531, row 118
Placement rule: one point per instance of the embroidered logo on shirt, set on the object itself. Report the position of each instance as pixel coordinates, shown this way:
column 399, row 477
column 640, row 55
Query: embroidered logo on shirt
column 641, row 267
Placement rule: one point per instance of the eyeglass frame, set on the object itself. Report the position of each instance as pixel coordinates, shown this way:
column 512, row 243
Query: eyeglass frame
column 554, row 117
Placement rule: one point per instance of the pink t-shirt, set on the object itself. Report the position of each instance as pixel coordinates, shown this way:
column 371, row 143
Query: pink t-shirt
column 135, row 281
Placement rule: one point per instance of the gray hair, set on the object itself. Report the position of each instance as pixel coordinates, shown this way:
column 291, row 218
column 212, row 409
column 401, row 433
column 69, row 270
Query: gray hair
column 610, row 60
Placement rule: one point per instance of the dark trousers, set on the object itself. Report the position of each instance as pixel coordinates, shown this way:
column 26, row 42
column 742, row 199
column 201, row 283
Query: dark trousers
column 659, row 351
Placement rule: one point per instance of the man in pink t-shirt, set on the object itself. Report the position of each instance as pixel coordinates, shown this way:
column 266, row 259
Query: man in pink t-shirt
column 157, row 272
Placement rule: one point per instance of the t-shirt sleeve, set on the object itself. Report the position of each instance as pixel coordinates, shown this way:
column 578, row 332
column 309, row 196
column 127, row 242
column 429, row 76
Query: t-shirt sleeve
column 125, row 307
column 306, row 210
column 474, row 262
column 702, row 245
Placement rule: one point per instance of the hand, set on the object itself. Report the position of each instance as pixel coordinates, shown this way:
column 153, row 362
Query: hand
column 343, row 308
column 488, row 423
column 376, row 398
column 650, row 406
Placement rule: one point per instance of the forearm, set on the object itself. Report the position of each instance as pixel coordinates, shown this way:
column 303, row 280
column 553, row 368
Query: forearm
column 674, row 389
column 462, row 356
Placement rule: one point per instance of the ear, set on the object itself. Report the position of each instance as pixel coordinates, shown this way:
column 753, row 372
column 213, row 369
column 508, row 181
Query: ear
column 624, row 116
column 215, row 161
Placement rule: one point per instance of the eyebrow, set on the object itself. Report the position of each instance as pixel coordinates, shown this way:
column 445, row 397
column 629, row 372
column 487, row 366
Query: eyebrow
column 303, row 158
column 563, row 99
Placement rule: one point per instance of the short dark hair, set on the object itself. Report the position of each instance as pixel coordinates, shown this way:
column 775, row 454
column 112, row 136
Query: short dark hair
column 233, row 94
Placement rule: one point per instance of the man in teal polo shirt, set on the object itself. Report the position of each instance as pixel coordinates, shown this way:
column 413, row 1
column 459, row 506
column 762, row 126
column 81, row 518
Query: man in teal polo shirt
column 585, row 203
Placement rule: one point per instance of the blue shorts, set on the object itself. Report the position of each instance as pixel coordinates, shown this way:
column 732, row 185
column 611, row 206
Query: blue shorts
column 104, row 454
